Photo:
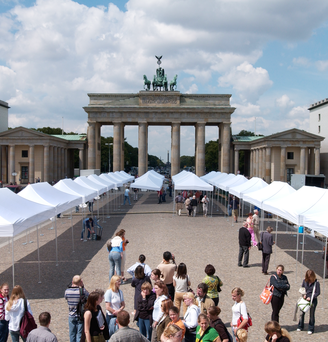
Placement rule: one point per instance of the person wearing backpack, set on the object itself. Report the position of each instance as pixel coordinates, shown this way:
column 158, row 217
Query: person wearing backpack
column 76, row 295
column 216, row 323
column 15, row 309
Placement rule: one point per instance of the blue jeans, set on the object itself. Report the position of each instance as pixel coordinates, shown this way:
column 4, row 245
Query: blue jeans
column 114, row 261
column 4, row 330
column 15, row 336
column 75, row 329
column 145, row 328
column 126, row 198
column 111, row 321
column 312, row 318
column 83, row 230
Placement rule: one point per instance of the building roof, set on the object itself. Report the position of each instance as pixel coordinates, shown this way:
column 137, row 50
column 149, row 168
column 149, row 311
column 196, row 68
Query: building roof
column 4, row 104
column 318, row 104
column 245, row 138
column 70, row 137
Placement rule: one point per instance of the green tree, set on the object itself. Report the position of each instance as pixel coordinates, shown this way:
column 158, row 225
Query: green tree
column 211, row 155
column 187, row 161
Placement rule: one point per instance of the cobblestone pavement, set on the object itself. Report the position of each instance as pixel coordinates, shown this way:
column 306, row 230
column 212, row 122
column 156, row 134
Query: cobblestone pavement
column 152, row 229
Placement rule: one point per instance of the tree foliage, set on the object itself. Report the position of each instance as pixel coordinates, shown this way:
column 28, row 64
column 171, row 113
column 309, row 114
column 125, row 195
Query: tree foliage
column 211, row 155
column 187, row 161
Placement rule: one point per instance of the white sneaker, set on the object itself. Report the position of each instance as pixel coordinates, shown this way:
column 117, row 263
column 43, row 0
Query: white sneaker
column 298, row 330
column 310, row 332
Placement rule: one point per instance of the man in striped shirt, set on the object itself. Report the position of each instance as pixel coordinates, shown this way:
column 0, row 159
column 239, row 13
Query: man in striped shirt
column 72, row 295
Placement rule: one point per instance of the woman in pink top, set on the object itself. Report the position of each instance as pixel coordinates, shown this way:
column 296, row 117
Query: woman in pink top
column 250, row 227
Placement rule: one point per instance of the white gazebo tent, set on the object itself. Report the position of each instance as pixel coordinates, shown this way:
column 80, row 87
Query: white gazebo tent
column 148, row 181
column 14, row 221
column 44, row 193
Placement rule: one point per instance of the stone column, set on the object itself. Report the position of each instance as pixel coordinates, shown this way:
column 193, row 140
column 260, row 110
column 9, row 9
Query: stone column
column 219, row 147
column 65, row 163
column 236, row 161
column 92, row 145
column 4, row 164
column 122, row 148
column 311, row 161
column 142, row 148
column 117, row 145
column 98, row 145
column 257, row 163
column 81, row 158
column 283, row 164
column 225, row 147
column 268, row 165
column 46, row 164
column 251, row 164
column 175, row 148
column 260, row 162
column 51, row 163
column 11, row 163
column 59, row 163
column 200, row 152
column 55, row 162
column 316, row 161
column 31, row 169
column 302, row 161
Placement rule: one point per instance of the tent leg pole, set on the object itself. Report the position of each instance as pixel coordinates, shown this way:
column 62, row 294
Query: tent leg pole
column 72, row 231
column 13, row 259
column 212, row 204
column 25, row 243
column 31, row 241
column 39, row 267
column 303, row 246
column 275, row 250
column 324, row 275
column 296, row 256
column 108, row 199
column 56, row 240
column 173, row 202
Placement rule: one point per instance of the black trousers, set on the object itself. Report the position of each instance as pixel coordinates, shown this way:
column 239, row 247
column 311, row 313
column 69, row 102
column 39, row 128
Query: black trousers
column 276, row 304
column 171, row 289
column 265, row 262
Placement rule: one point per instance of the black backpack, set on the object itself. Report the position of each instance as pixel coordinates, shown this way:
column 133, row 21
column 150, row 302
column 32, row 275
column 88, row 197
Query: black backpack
column 80, row 305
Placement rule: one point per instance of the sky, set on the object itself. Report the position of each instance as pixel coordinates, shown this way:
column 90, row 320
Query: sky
column 271, row 56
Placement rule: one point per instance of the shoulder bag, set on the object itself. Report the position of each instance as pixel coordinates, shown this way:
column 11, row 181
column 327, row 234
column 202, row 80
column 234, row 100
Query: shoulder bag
column 303, row 304
column 27, row 323
column 267, row 293
column 241, row 318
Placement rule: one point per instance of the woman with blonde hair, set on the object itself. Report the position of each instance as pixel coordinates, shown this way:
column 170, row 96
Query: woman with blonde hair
column 276, row 333
column 191, row 316
column 238, row 309
column 312, row 288
column 15, row 309
column 114, row 303
column 172, row 333
column 241, row 335
column 204, row 331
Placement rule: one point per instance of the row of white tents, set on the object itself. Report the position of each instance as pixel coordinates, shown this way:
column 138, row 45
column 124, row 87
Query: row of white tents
column 39, row 202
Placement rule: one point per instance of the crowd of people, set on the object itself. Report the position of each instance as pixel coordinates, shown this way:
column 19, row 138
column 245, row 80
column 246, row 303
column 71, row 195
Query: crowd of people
column 160, row 296
column 193, row 202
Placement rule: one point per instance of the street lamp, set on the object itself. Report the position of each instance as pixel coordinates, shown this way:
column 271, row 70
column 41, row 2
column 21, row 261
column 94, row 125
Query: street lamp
column 109, row 165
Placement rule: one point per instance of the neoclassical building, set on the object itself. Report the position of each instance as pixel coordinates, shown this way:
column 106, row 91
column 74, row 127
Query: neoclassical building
column 170, row 108
column 27, row 155
column 277, row 156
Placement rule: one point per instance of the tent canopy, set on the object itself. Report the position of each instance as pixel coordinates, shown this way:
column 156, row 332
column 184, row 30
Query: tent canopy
column 18, row 214
column 252, row 185
column 210, row 175
column 101, row 181
column 234, row 181
column 111, row 178
column 148, row 182
column 71, row 187
column 84, row 181
column 279, row 189
column 192, row 182
column 44, row 193
column 180, row 175
column 221, row 178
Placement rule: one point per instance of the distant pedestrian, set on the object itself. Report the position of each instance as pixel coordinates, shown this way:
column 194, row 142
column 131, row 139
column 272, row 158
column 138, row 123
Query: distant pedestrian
column 244, row 245
column 141, row 261
column 137, row 282
column 205, row 202
column 213, row 282
column 188, row 206
column 89, row 225
column 267, row 242
column 127, row 196
column 194, row 203
column 250, row 227
column 179, row 203
column 234, row 205
column 281, row 286
column 135, row 190
column 256, row 225
column 312, row 288
column 116, row 254
column 181, row 282
column 168, row 268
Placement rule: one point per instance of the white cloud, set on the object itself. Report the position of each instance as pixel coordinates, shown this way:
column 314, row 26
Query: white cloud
column 322, row 65
column 55, row 52
column 301, row 61
column 284, row 101
column 249, row 82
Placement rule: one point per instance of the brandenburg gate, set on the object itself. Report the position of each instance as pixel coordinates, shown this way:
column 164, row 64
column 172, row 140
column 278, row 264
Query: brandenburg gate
column 157, row 107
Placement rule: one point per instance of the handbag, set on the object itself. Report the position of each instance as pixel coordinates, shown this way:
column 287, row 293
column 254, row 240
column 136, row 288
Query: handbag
column 218, row 288
column 260, row 246
column 249, row 321
column 267, row 293
column 27, row 323
column 303, row 304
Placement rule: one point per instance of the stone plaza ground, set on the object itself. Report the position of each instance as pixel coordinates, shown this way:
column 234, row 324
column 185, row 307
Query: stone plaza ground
column 152, row 229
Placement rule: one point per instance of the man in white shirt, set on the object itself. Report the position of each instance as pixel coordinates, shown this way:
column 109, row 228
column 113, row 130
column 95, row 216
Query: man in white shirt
column 126, row 196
